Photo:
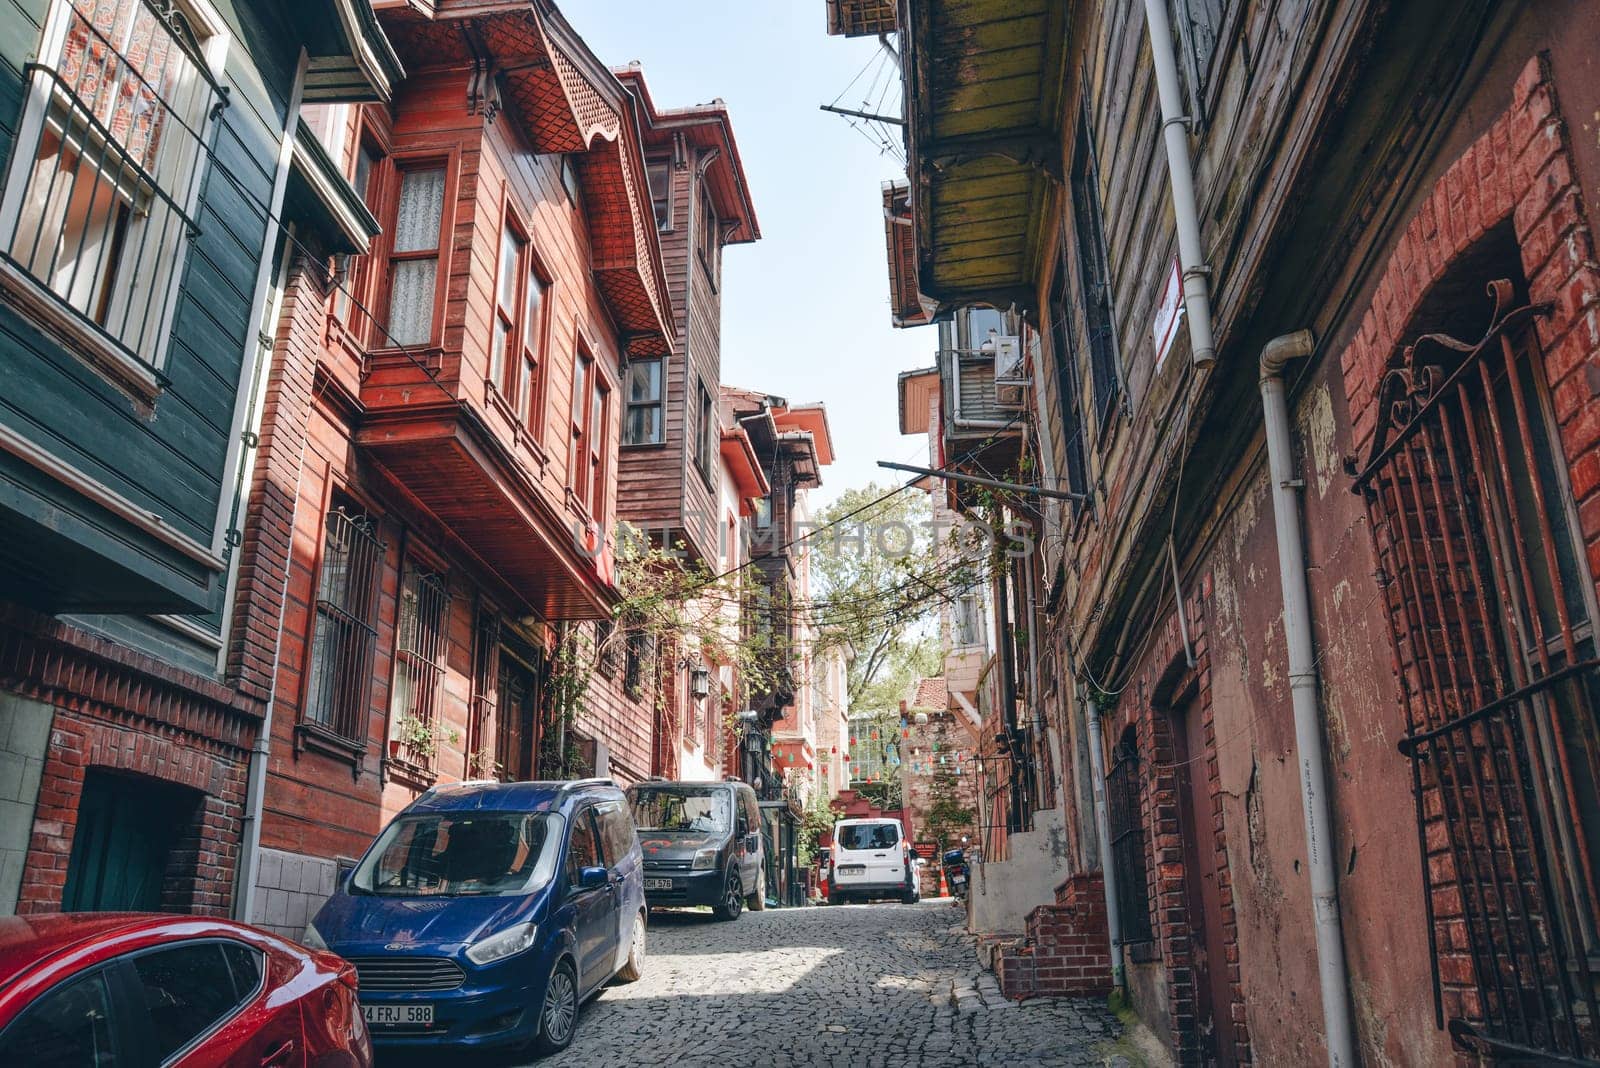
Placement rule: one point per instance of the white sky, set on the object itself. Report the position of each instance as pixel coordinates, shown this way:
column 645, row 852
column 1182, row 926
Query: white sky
column 805, row 311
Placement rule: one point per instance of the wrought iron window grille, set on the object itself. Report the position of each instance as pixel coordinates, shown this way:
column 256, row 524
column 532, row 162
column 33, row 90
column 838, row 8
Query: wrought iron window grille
column 1125, row 816
column 344, row 632
column 1491, row 611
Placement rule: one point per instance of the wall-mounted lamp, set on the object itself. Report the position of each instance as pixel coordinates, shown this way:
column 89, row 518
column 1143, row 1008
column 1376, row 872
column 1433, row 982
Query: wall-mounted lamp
column 699, row 681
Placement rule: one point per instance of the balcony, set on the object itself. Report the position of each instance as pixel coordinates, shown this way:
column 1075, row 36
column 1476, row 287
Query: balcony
column 984, row 397
column 446, row 456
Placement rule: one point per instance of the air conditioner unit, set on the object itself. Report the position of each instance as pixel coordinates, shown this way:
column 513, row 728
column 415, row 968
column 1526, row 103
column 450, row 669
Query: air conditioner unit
column 1010, row 378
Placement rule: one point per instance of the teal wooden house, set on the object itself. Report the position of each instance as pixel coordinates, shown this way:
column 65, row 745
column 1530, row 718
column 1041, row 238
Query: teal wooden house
column 147, row 155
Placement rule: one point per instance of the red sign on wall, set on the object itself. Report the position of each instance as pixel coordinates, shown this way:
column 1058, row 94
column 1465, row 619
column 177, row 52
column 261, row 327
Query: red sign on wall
column 926, row 850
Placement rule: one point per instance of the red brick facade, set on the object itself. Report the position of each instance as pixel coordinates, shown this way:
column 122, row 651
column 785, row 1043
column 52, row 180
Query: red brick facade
column 1065, row 951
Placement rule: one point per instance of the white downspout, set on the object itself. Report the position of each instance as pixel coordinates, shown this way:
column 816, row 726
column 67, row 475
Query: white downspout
column 1174, row 129
column 1102, row 827
column 249, row 867
column 1303, row 691
column 1041, row 733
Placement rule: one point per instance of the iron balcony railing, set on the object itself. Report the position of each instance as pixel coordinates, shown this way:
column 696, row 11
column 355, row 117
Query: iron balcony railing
column 96, row 207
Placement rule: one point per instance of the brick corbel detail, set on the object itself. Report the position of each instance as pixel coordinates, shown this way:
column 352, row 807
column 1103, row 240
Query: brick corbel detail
column 118, row 708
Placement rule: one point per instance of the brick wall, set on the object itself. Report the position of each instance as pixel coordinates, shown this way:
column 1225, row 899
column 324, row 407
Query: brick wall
column 200, row 877
column 122, row 710
column 1163, row 682
column 1066, row 952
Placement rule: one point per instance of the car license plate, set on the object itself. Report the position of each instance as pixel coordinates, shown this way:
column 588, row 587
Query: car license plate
column 852, row 869
column 658, row 884
column 398, row 1015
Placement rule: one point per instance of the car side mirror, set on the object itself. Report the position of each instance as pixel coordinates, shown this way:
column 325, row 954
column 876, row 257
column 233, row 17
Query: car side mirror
column 752, row 842
column 592, row 878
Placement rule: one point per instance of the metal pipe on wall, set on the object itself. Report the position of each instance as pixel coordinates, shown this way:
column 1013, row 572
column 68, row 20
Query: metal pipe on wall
column 1102, row 827
column 248, row 870
column 1331, row 968
column 1174, row 130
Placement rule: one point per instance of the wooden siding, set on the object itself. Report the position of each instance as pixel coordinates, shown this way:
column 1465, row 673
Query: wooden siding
column 625, row 725
column 650, row 490
column 702, row 344
column 492, row 172
column 171, row 461
column 661, row 486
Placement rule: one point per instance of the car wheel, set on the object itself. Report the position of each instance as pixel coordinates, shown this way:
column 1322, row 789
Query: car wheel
column 732, row 899
column 558, row 1019
column 633, row 969
column 758, row 900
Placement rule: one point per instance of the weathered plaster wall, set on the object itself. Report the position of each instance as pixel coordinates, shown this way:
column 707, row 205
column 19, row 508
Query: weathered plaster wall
column 1005, row 891
column 1263, row 816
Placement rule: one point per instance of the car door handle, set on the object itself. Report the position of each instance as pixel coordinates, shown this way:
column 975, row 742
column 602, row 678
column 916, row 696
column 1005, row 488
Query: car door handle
column 280, row 1056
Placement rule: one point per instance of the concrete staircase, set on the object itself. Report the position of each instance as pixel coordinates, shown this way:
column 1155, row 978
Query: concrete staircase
column 1066, row 951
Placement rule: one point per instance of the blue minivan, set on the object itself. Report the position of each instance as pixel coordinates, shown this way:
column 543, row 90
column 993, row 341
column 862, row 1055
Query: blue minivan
column 486, row 913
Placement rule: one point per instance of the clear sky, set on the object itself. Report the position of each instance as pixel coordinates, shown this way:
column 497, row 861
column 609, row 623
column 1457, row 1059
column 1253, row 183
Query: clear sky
column 805, row 311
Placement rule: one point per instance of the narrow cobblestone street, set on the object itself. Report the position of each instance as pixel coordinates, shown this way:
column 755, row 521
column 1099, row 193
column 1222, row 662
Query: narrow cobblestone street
column 877, row 985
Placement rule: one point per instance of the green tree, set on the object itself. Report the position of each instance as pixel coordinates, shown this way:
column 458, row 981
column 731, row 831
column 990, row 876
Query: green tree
column 880, row 573
column 947, row 819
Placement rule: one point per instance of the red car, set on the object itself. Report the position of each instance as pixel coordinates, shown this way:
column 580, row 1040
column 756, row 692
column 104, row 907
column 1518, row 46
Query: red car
column 133, row 990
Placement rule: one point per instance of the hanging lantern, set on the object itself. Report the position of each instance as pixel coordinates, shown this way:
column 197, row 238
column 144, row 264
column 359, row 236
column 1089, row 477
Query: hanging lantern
column 833, row 749
column 874, row 734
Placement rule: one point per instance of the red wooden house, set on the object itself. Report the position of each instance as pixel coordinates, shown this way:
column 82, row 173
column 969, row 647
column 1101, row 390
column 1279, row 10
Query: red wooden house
column 680, row 481
column 439, row 459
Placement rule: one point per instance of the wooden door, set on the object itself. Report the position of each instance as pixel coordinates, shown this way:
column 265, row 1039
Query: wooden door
column 518, row 736
column 127, row 827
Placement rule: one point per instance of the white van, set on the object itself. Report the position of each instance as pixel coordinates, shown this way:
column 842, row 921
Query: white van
column 871, row 859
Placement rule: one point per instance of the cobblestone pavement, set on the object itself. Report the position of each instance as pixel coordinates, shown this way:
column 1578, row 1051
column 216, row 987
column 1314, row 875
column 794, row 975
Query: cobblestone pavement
column 878, row 986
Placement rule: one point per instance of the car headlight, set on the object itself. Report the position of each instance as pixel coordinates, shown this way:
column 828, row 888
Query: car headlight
column 313, row 939
column 705, row 860
column 507, row 943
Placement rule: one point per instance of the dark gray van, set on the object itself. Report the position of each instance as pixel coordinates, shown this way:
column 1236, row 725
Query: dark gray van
column 702, row 845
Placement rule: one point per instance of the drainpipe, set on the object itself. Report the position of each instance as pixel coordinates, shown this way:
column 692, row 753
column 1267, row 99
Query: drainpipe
column 249, row 866
column 1174, row 129
column 1041, row 736
column 1303, row 691
column 1102, row 828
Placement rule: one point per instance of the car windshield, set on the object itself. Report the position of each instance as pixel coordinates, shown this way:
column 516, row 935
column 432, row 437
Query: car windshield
column 451, row 854
column 868, row 835
column 683, row 810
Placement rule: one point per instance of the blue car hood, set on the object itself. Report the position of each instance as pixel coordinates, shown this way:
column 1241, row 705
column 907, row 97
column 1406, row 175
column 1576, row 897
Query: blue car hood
column 359, row 923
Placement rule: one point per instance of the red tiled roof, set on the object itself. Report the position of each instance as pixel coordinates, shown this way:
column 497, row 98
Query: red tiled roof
column 929, row 694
